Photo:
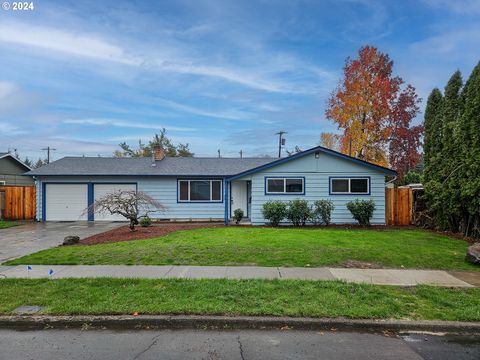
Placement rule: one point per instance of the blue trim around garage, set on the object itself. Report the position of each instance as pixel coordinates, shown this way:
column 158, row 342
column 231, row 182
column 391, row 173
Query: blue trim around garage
column 310, row 151
column 283, row 177
column 44, row 215
column 91, row 216
column 349, row 177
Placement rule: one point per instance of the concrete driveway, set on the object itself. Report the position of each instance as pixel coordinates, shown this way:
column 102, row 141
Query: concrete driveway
column 25, row 239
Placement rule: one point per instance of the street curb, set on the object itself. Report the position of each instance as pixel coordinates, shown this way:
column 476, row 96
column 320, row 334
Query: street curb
column 152, row 322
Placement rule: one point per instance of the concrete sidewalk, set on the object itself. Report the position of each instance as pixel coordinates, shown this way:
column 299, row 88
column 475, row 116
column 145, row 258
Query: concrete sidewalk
column 369, row 276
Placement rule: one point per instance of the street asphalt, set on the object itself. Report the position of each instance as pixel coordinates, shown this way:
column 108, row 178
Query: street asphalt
column 232, row 344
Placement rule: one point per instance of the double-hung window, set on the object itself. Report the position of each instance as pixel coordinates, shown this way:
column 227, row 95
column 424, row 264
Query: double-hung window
column 201, row 190
column 353, row 185
column 288, row 186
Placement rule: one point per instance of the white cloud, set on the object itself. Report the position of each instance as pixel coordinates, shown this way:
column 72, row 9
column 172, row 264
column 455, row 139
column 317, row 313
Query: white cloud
column 459, row 6
column 171, row 58
column 462, row 43
column 8, row 129
column 7, row 88
column 83, row 45
column 124, row 124
column 231, row 115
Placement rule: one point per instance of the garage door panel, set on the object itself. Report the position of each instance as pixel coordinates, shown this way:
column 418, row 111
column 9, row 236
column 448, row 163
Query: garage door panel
column 100, row 190
column 66, row 202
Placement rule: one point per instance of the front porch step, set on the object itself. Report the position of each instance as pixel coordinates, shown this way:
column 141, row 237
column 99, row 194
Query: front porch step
column 245, row 222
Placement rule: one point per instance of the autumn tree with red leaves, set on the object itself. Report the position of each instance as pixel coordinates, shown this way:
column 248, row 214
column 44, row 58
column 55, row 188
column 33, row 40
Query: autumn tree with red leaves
column 375, row 112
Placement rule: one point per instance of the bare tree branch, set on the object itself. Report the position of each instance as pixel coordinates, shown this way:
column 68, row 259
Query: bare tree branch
column 132, row 205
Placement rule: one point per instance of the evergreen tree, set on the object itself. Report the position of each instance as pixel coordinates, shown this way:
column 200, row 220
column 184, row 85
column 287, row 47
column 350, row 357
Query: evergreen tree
column 450, row 161
column 468, row 144
column 432, row 157
column 433, row 135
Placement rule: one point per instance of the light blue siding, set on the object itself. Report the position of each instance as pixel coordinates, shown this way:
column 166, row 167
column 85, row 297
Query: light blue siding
column 317, row 172
column 162, row 189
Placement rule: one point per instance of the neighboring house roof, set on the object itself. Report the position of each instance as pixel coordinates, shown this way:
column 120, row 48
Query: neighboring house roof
column 169, row 166
column 178, row 166
column 4, row 155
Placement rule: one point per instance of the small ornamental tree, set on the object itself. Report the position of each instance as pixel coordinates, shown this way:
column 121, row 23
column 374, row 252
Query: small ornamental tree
column 132, row 205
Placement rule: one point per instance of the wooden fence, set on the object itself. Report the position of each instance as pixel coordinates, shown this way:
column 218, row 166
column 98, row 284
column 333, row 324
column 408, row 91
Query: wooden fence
column 18, row 202
column 398, row 206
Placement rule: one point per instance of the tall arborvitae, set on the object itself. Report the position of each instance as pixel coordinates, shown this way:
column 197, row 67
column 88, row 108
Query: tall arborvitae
column 432, row 157
column 468, row 145
column 450, row 159
column 433, row 135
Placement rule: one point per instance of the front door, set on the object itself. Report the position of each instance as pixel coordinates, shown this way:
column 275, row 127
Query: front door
column 239, row 197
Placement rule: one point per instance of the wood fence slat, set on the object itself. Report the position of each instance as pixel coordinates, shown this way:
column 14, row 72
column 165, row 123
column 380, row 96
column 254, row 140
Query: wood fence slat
column 20, row 202
column 398, row 206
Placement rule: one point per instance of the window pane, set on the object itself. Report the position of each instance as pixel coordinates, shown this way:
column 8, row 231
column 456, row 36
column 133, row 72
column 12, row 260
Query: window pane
column 200, row 190
column 184, row 190
column 275, row 185
column 294, row 185
column 216, row 190
column 339, row 185
column 359, row 185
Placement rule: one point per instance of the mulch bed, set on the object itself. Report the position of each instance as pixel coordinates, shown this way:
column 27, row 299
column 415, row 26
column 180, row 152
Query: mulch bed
column 123, row 233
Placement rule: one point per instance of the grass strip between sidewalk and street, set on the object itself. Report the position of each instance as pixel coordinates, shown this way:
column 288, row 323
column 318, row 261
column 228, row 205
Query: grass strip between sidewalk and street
column 240, row 297
column 287, row 247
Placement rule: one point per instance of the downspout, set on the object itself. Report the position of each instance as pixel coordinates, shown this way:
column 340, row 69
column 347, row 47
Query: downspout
column 391, row 181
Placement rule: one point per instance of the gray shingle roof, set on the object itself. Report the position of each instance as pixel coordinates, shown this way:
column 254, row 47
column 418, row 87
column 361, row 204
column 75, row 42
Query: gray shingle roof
column 175, row 166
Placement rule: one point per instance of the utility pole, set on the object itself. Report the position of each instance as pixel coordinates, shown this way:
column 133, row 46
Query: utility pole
column 219, row 155
column 241, row 154
column 281, row 141
column 48, row 149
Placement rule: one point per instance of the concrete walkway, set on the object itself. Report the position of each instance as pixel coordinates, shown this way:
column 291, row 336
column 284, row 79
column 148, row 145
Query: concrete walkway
column 370, row 276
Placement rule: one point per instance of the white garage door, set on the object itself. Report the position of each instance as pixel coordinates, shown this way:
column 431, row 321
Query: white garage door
column 100, row 190
column 65, row 202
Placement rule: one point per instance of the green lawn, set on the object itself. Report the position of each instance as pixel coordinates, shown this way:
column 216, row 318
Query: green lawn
column 7, row 224
column 241, row 297
column 271, row 247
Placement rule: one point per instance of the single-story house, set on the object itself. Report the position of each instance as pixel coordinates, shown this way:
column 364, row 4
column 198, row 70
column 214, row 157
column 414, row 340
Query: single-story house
column 210, row 188
column 12, row 171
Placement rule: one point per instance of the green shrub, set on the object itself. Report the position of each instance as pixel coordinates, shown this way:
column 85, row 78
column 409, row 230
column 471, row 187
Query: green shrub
column 145, row 222
column 274, row 211
column 362, row 210
column 322, row 213
column 299, row 212
column 237, row 215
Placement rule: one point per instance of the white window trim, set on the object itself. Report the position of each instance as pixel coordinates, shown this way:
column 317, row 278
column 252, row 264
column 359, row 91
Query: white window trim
column 200, row 201
column 284, row 192
column 349, row 192
column 3, row 182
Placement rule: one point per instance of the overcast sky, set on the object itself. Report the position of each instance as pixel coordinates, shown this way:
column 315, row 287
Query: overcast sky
column 82, row 76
